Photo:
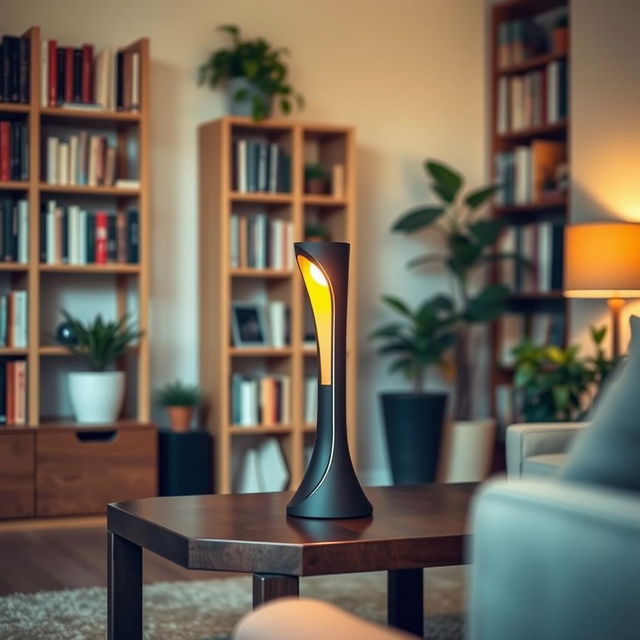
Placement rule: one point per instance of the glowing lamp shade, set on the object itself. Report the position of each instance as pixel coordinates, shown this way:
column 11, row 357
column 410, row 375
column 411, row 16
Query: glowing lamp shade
column 602, row 260
column 330, row 487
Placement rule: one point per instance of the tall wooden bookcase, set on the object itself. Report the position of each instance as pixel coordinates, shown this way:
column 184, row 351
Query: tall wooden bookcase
column 553, row 208
column 110, row 462
column 220, row 285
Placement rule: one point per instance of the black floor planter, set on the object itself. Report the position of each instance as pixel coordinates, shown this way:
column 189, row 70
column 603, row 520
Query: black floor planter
column 413, row 424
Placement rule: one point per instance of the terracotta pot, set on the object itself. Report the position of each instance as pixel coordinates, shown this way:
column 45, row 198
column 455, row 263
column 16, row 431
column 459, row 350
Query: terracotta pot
column 180, row 418
column 561, row 40
column 314, row 186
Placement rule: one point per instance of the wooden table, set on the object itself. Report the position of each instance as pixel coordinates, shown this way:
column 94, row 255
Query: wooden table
column 412, row 527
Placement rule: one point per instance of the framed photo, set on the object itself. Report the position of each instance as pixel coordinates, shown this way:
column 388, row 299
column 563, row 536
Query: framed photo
column 248, row 325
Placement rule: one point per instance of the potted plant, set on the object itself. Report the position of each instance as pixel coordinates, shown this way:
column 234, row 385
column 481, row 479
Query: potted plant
column 561, row 35
column 97, row 394
column 315, row 232
column 414, row 420
column 180, row 400
column 557, row 384
column 315, row 178
column 469, row 244
column 254, row 73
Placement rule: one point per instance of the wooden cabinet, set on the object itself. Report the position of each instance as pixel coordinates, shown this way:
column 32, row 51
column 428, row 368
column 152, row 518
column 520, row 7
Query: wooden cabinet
column 79, row 469
column 16, row 474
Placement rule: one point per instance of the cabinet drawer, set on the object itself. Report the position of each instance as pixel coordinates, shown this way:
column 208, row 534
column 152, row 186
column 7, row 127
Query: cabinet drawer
column 80, row 470
column 16, row 475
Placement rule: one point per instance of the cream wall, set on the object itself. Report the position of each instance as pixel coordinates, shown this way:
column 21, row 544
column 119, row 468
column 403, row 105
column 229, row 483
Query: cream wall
column 407, row 73
column 605, row 126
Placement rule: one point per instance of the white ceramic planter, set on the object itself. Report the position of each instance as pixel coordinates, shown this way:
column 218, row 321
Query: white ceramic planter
column 468, row 450
column 96, row 396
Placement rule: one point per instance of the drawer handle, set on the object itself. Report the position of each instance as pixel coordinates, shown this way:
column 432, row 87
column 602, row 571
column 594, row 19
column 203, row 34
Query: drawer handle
column 97, row 436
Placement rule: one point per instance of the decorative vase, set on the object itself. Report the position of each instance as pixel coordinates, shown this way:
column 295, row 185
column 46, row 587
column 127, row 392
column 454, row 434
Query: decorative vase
column 245, row 107
column 180, row 418
column 413, row 426
column 96, row 396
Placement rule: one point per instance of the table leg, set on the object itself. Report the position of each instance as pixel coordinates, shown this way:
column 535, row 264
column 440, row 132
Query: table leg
column 124, row 597
column 404, row 600
column 268, row 586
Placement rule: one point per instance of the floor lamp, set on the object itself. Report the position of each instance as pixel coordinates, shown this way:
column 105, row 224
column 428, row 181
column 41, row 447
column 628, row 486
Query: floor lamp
column 602, row 260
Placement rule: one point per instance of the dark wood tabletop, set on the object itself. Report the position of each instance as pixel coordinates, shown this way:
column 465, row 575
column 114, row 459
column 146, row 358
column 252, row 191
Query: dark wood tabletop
column 412, row 526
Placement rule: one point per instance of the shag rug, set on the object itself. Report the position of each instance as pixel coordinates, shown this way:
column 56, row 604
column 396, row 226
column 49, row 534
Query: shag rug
column 205, row 609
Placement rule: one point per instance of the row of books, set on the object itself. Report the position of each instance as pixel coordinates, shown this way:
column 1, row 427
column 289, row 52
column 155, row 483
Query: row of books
column 532, row 99
column 71, row 235
column 256, row 324
column 14, row 69
column 14, row 319
column 14, row 230
column 262, row 468
column 520, row 40
column 260, row 400
column 541, row 247
column 260, row 166
column 310, row 399
column 539, row 328
column 14, row 150
column 258, row 242
column 82, row 159
column 528, row 173
column 73, row 77
column 13, row 392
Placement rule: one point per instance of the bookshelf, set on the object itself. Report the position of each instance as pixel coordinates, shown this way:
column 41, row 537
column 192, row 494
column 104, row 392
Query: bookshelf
column 527, row 67
column 220, row 284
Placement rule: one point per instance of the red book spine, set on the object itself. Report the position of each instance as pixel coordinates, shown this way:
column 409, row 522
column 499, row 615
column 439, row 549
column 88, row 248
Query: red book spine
column 87, row 73
column 68, row 75
column 101, row 237
column 53, row 73
column 10, row 392
column 5, row 151
column 20, row 368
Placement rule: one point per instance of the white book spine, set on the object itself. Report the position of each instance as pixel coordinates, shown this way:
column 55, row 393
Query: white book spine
column 502, row 124
column 82, row 235
column 545, row 234
column 73, row 235
column 52, row 159
column 552, row 92
column 277, row 316
column 73, row 159
column 273, row 167
column 246, row 399
column 241, row 167
column 51, row 232
column 23, row 231
column 63, row 163
column 135, row 81
column 21, row 319
column 44, row 73
column 234, row 249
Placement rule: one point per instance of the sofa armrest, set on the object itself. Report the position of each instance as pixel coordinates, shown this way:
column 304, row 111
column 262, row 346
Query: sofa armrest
column 537, row 438
column 297, row 618
column 554, row 560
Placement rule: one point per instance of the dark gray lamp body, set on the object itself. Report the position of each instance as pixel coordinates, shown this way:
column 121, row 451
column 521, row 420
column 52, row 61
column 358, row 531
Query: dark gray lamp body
column 330, row 487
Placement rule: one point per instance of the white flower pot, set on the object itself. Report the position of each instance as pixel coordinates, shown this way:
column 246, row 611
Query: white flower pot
column 96, row 396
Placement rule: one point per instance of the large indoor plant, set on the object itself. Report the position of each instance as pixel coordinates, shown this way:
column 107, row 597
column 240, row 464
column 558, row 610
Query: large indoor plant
column 468, row 244
column 254, row 74
column 97, row 394
column 417, row 341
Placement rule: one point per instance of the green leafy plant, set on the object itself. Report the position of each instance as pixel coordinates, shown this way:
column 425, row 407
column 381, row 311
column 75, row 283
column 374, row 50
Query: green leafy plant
column 258, row 62
column 558, row 384
column 419, row 339
column 177, row 394
column 469, row 243
column 315, row 230
column 315, row 172
column 100, row 342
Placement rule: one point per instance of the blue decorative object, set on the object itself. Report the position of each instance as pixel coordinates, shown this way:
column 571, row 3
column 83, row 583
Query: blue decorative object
column 65, row 334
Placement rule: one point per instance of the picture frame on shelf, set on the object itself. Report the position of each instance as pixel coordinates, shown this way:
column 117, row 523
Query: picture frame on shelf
column 248, row 325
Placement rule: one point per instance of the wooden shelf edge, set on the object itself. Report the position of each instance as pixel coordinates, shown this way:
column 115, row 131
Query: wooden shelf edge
column 261, row 197
column 532, row 207
column 14, row 185
column 112, row 267
column 90, row 114
column 14, row 107
column 45, row 187
column 535, row 132
column 250, row 352
column 259, row 430
column 531, row 64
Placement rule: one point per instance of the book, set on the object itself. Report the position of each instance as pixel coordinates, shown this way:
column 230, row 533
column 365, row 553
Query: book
column 101, row 238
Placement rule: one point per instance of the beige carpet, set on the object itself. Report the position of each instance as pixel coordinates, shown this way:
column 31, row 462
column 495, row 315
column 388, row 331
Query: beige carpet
column 210, row 608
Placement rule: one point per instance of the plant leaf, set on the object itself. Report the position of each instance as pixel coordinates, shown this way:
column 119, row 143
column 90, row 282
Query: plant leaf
column 478, row 197
column 486, row 232
column 398, row 305
column 417, row 218
column 447, row 182
column 422, row 260
column 488, row 304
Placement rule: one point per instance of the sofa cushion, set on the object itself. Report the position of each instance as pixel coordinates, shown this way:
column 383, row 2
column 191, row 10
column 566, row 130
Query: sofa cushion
column 543, row 466
column 608, row 452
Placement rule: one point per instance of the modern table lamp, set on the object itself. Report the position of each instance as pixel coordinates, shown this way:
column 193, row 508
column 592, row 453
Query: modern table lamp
column 602, row 260
column 330, row 487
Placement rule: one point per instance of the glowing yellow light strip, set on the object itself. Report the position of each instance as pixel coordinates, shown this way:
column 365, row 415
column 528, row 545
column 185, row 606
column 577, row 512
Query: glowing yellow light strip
column 320, row 296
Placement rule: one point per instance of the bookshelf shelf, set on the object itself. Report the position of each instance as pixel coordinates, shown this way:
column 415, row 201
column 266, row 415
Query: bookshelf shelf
column 539, row 62
column 13, row 266
column 13, row 351
column 91, row 191
column 58, row 113
column 260, row 273
column 10, row 107
column 14, row 185
column 261, row 198
column 220, row 285
column 533, row 159
column 91, row 268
